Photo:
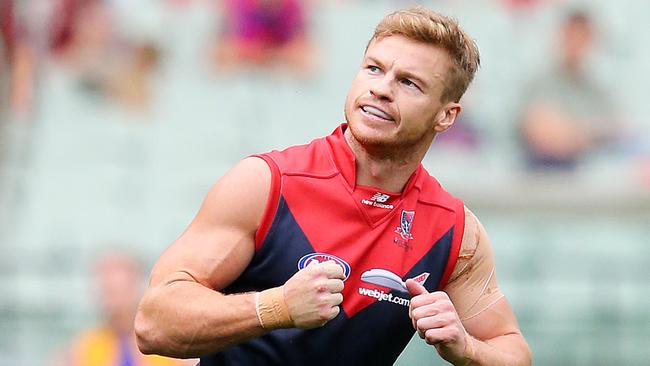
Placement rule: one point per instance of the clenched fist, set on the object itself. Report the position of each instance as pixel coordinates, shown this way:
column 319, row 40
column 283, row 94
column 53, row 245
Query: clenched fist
column 436, row 321
column 313, row 294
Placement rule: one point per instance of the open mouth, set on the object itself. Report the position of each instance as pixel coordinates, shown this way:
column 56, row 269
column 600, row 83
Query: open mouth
column 376, row 112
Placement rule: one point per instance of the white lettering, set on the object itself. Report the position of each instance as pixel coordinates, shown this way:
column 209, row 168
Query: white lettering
column 383, row 296
column 377, row 204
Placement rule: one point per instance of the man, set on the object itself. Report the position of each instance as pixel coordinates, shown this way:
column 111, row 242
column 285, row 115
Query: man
column 264, row 33
column 118, row 280
column 565, row 114
column 332, row 253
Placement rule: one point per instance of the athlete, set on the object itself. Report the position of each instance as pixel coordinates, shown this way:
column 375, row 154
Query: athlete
column 336, row 252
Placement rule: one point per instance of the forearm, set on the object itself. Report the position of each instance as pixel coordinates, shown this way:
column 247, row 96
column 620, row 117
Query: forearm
column 506, row 350
column 182, row 318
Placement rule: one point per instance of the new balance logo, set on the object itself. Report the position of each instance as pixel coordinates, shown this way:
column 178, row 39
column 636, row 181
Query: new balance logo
column 378, row 200
column 380, row 197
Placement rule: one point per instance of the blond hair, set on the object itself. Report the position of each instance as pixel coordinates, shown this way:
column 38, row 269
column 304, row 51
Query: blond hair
column 424, row 25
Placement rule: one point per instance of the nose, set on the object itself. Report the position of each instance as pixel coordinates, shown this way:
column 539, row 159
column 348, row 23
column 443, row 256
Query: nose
column 382, row 88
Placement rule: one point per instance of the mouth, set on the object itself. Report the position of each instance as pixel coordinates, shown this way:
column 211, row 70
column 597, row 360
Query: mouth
column 376, row 113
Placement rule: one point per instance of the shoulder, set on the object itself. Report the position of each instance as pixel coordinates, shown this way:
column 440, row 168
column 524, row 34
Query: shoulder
column 250, row 176
column 473, row 228
column 474, row 235
column 314, row 156
column 249, row 167
column 243, row 190
column 433, row 193
column 469, row 244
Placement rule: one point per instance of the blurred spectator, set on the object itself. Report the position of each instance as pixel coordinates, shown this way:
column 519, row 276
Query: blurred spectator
column 119, row 281
column 519, row 4
column 264, row 33
column 82, row 37
column 463, row 136
column 16, row 63
column 565, row 115
column 131, row 84
column 62, row 27
column 85, row 38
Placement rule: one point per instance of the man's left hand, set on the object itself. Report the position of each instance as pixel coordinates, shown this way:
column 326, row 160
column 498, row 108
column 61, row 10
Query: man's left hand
column 437, row 322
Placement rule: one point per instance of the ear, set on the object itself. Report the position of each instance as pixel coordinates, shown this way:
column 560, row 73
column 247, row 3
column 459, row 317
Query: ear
column 446, row 117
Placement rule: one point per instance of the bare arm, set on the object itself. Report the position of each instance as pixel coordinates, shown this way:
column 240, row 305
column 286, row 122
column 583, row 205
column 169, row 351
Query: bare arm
column 471, row 323
column 497, row 339
column 183, row 314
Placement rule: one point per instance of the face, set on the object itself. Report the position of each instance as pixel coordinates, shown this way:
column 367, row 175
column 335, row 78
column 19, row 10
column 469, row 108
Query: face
column 119, row 284
column 394, row 101
column 576, row 41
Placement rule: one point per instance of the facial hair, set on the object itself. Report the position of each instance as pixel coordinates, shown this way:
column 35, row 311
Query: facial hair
column 394, row 147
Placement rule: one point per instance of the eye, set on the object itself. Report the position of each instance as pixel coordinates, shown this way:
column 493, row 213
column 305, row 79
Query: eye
column 409, row 83
column 373, row 69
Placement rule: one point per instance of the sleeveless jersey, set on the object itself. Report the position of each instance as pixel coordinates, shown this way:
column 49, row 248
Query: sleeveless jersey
column 315, row 213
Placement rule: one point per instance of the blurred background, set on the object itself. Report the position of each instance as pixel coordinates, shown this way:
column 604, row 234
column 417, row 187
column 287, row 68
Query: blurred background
column 116, row 116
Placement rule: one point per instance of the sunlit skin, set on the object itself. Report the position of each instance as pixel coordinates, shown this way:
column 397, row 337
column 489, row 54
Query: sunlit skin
column 394, row 107
column 404, row 79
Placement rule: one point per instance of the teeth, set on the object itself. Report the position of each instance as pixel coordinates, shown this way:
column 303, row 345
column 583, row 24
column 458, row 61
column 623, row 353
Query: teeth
column 376, row 112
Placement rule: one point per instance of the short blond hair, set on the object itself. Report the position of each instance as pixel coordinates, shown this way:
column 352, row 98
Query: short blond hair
column 424, row 25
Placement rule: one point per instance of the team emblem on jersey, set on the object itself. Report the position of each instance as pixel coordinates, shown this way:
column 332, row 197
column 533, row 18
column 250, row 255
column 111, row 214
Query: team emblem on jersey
column 314, row 258
column 405, row 224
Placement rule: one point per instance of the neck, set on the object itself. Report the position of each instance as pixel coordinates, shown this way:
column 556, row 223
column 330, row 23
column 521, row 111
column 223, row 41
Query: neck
column 389, row 172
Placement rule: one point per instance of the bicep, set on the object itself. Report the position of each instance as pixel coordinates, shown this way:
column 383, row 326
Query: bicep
column 495, row 321
column 220, row 242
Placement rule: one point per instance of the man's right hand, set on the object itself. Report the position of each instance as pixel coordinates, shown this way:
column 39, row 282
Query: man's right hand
column 313, row 294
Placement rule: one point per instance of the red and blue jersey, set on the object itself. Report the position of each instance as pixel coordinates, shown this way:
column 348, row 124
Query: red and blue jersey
column 316, row 212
